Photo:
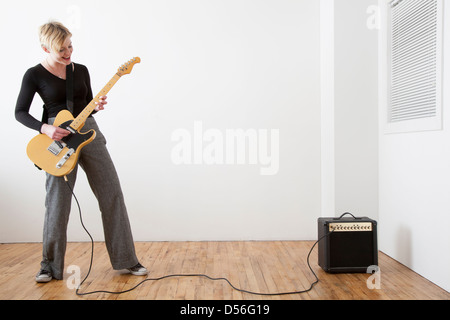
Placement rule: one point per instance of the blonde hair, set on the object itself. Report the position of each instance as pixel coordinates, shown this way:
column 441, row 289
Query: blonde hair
column 52, row 35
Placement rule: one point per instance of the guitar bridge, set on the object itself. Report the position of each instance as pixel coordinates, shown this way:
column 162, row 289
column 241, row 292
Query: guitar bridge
column 56, row 147
column 65, row 158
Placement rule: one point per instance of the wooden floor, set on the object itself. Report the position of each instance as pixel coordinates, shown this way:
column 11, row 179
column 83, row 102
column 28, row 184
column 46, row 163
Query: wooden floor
column 267, row 267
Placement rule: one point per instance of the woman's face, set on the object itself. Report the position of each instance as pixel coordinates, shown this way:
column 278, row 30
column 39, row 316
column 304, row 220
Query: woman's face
column 63, row 56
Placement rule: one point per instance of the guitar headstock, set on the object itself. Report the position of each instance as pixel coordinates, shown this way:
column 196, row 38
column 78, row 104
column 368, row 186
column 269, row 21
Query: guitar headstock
column 128, row 66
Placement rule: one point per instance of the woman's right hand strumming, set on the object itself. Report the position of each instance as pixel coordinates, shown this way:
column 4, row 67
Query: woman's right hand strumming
column 54, row 133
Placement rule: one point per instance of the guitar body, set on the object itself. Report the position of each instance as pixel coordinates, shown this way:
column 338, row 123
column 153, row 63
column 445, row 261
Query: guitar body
column 59, row 158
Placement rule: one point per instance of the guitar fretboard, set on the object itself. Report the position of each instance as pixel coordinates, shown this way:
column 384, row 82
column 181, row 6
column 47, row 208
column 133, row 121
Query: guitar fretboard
column 82, row 117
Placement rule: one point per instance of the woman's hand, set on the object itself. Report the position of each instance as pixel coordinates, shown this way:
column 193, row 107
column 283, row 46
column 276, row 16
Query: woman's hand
column 101, row 103
column 54, row 133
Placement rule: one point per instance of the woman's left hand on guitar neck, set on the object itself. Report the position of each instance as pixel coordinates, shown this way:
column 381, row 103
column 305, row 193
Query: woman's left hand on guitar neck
column 101, row 103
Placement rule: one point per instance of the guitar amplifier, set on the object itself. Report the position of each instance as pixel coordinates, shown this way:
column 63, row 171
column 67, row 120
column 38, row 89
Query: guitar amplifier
column 347, row 245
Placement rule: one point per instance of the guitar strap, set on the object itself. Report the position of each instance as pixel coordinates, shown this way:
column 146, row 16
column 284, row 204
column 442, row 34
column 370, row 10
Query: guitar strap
column 44, row 115
column 69, row 93
column 69, row 87
column 69, row 96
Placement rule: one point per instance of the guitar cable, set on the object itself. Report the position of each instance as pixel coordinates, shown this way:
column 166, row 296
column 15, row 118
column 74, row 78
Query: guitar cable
column 182, row 275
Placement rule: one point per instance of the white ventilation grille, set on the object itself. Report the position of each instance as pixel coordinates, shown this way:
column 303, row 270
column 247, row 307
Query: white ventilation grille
column 415, row 60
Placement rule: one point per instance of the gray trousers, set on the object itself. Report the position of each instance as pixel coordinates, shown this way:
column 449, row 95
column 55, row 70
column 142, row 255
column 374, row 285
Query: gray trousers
column 104, row 182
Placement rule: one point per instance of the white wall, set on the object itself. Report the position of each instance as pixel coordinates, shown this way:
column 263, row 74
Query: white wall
column 349, row 108
column 228, row 64
column 356, row 109
column 327, row 96
column 415, row 187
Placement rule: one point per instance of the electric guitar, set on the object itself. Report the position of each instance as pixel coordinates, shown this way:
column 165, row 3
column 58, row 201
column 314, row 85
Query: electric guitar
column 59, row 158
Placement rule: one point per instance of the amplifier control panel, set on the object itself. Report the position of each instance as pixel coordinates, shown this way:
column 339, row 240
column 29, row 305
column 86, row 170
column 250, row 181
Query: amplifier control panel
column 350, row 226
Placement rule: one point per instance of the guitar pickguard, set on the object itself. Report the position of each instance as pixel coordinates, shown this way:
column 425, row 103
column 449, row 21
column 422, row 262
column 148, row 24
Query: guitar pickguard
column 75, row 139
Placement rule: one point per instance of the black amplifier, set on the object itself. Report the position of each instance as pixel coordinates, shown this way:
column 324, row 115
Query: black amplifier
column 347, row 244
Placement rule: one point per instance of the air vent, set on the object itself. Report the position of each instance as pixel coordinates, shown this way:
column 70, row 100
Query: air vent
column 415, row 61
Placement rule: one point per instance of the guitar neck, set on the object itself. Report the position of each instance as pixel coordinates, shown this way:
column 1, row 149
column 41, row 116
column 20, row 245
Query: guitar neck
column 82, row 117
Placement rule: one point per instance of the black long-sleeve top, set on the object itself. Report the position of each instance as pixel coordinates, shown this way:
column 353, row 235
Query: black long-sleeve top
column 52, row 91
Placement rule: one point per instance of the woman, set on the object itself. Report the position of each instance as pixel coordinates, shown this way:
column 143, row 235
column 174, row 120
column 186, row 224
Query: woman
column 48, row 80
